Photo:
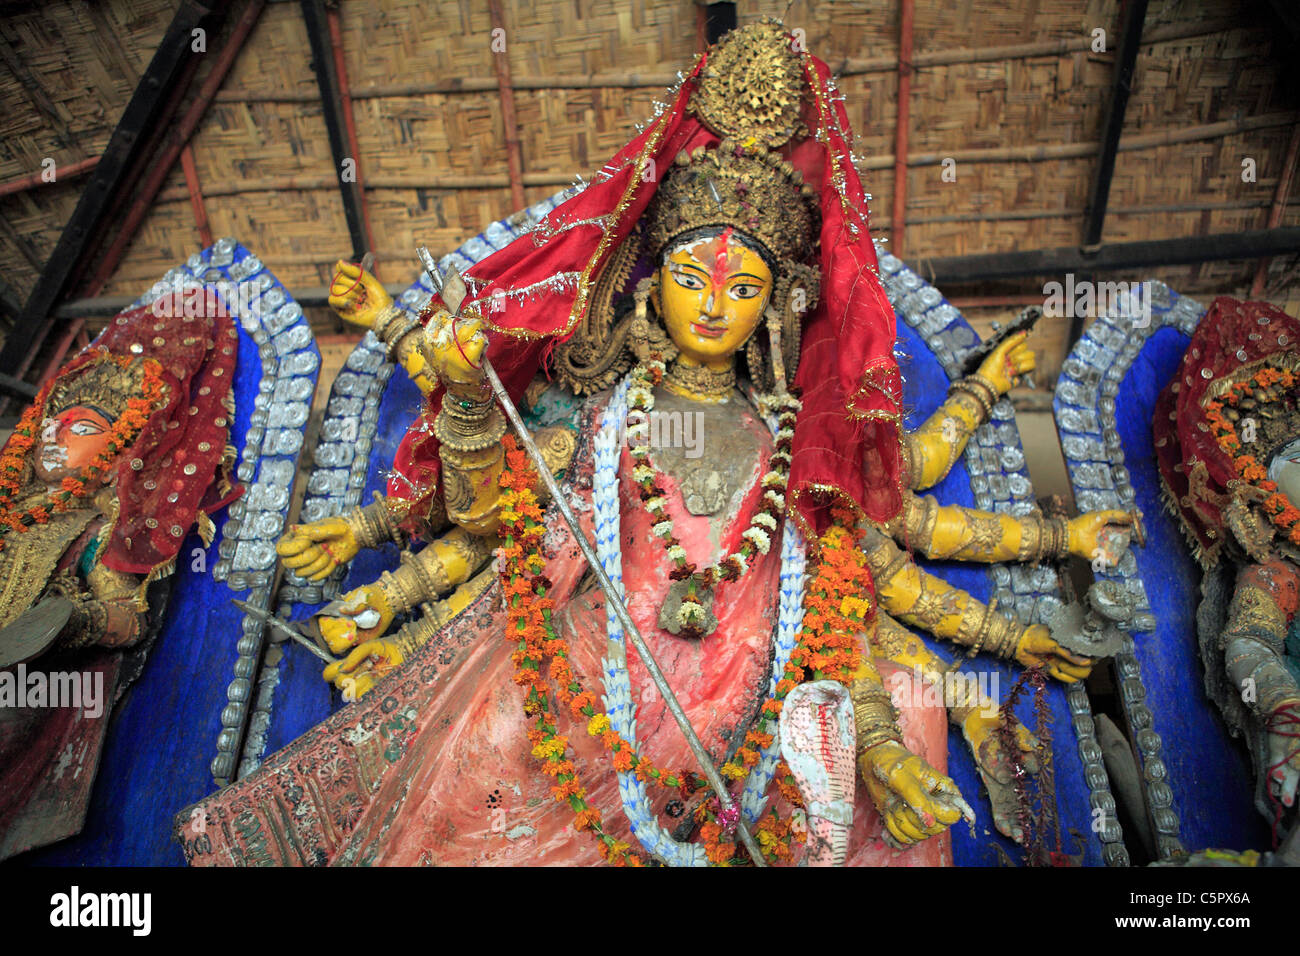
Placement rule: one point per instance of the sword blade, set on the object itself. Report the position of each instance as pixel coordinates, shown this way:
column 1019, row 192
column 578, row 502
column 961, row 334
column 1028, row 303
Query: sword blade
column 278, row 625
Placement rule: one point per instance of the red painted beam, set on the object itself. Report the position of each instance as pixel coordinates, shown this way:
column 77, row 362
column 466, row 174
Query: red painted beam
column 1280, row 197
column 349, row 122
column 196, row 195
column 36, row 180
column 901, row 126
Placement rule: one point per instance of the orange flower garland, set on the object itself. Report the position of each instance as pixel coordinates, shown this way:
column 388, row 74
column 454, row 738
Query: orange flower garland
column 13, row 460
column 1277, row 506
column 835, row 613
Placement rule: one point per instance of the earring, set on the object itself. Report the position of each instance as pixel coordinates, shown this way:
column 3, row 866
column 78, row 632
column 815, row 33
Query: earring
column 774, row 324
column 648, row 340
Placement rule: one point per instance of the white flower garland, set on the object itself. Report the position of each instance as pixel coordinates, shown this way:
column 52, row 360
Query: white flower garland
column 638, row 395
column 617, row 681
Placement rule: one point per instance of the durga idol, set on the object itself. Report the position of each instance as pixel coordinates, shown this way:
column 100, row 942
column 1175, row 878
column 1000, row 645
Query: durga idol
column 719, row 269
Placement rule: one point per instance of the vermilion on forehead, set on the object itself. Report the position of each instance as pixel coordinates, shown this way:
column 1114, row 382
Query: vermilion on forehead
column 720, row 257
column 708, row 252
column 77, row 413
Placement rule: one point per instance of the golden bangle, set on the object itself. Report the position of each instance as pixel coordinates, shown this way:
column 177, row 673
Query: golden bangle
column 981, row 391
column 1005, row 637
column 386, row 318
column 472, row 427
column 874, row 718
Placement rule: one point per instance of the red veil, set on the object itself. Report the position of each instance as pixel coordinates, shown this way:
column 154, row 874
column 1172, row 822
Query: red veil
column 177, row 466
column 847, row 443
column 1194, row 468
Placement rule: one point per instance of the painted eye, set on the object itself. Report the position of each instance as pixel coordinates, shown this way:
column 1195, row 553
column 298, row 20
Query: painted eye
column 85, row 428
column 744, row 290
column 688, row 280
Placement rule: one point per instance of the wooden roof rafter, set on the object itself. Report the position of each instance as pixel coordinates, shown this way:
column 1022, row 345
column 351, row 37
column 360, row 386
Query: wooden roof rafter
column 336, row 104
column 121, row 159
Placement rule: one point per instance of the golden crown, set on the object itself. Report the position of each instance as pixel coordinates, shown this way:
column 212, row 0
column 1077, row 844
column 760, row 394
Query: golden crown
column 755, row 192
column 104, row 384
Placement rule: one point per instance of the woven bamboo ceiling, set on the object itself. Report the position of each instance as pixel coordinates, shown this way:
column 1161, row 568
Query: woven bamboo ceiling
column 1014, row 94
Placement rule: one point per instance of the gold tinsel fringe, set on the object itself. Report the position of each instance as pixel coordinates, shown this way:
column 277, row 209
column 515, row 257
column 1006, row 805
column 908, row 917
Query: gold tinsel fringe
column 207, row 530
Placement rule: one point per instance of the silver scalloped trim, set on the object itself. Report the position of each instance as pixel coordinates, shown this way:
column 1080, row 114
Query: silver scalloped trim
column 1085, row 417
column 1000, row 482
column 267, row 465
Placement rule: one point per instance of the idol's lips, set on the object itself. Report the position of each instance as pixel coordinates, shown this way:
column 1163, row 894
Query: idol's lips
column 709, row 331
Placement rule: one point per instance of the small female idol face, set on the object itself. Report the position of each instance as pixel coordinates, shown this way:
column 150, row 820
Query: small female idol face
column 69, row 442
column 711, row 295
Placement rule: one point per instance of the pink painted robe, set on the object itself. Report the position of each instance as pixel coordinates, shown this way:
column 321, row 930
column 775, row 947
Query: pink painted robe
column 434, row 766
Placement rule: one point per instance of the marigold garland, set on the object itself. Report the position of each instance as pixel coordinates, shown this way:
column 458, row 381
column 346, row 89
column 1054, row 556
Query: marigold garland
column 837, row 606
column 1277, row 506
column 13, row 460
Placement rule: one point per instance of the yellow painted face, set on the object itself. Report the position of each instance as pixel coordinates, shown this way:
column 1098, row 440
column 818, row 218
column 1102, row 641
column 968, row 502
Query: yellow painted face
column 711, row 295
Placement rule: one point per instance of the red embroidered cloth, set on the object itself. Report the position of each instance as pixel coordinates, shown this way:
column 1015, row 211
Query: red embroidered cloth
column 847, row 441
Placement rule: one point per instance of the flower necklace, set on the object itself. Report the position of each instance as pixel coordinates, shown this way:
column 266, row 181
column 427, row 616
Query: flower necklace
column 1277, row 506
column 13, row 460
column 693, row 588
column 816, row 633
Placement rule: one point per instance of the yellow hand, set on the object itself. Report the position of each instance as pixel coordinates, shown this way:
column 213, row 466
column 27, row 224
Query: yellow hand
column 368, row 664
column 996, row 770
column 1100, row 536
column 364, row 616
column 1008, row 362
column 915, row 800
column 315, row 550
column 356, row 295
column 456, row 350
column 1037, row 649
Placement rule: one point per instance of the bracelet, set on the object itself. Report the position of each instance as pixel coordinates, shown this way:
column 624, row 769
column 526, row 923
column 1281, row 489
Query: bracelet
column 979, row 388
column 1042, row 538
column 387, row 523
column 874, row 717
column 413, row 635
column 428, row 571
column 391, row 312
column 982, row 633
column 393, row 330
column 470, row 428
column 1005, row 635
column 395, row 590
column 374, row 524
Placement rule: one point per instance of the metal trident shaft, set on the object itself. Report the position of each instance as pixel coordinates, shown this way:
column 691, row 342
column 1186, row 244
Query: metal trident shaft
column 611, row 594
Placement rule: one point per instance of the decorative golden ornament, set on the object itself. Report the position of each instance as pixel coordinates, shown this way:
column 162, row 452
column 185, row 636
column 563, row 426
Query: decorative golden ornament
column 756, row 192
column 103, row 384
column 752, row 86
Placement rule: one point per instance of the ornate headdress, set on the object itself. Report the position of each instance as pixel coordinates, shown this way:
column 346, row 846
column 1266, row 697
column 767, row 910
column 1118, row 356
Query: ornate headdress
column 758, row 192
column 1230, row 408
column 777, row 111
column 104, row 385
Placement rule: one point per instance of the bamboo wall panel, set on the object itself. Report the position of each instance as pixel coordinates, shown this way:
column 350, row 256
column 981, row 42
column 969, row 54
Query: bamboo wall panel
column 269, row 177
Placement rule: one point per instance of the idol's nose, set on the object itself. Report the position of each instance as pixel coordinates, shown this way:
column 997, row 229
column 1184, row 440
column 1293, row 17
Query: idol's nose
column 713, row 308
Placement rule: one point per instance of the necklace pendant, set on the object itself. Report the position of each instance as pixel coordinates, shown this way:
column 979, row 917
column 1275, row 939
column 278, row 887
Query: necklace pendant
column 670, row 616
